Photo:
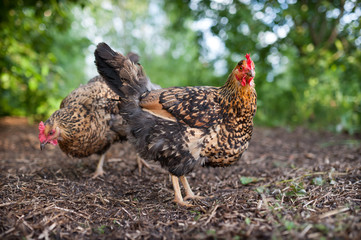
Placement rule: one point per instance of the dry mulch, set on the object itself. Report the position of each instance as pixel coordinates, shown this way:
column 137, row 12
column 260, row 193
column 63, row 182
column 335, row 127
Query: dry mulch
column 299, row 184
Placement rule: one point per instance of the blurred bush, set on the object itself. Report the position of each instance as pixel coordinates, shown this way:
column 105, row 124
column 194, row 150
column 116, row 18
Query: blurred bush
column 41, row 57
column 307, row 55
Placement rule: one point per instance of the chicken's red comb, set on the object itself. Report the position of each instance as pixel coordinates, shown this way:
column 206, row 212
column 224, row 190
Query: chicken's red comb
column 249, row 60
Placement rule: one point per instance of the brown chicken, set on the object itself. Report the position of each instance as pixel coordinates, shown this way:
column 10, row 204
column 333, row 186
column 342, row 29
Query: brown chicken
column 182, row 127
column 88, row 120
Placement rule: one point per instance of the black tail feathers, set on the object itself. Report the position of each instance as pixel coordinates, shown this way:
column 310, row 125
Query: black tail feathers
column 120, row 73
column 104, row 54
column 133, row 57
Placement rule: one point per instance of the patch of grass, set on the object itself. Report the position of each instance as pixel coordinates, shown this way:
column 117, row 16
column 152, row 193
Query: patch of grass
column 260, row 189
column 289, row 225
column 296, row 190
column 197, row 214
column 248, row 180
column 330, row 175
column 321, row 227
column 211, row 232
column 101, row 229
column 349, row 143
column 116, row 223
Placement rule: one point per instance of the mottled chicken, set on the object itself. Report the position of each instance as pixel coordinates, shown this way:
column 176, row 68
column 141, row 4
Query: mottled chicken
column 182, row 127
column 88, row 120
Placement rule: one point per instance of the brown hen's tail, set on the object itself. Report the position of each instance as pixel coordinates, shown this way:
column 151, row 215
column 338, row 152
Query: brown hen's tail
column 123, row 76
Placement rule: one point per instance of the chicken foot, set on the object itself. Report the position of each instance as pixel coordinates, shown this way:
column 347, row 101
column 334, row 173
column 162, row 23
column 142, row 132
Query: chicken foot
column 177, row 192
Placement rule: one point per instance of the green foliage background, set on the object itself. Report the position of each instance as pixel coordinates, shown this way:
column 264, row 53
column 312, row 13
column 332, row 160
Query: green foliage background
column 307, row 53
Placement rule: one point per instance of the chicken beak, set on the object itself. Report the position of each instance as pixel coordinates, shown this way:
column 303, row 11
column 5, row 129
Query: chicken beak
column 42, row 145
column 251, row 73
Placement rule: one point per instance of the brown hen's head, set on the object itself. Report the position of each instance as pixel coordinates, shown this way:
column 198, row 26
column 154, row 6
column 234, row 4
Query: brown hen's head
column 48, row 133
column 244, row 72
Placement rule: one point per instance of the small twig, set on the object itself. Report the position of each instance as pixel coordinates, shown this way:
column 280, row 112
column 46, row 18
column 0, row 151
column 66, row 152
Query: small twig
column 7, row 204
column 11, row 203
column 27, row 224
column 213, row 213
column 115, row 160
column 317, row 199
column 265, row 201
column 67, row 210
column 127, row 213
column 308, row 203
column 334, row 212
column 7, row 232
column 46, row 182
column 307, row 228
column 249, row 231
column 259, row 204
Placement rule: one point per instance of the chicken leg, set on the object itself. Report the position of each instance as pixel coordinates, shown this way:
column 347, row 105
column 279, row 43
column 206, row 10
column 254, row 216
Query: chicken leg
column 141, row 162
column 177, row 193
column 188, row 190
column 99, row 171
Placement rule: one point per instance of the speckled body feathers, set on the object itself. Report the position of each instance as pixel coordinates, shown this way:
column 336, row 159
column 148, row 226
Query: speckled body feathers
column 89, row 119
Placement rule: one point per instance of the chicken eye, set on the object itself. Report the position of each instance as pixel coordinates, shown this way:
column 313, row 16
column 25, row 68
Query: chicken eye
column 51, row 132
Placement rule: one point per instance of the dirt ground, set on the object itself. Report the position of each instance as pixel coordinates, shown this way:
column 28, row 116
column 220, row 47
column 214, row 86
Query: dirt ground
column 289, row 185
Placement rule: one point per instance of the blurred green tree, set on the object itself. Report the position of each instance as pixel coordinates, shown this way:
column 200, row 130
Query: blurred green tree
column 35, row 68
column 170, row 57
column 307, row 53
